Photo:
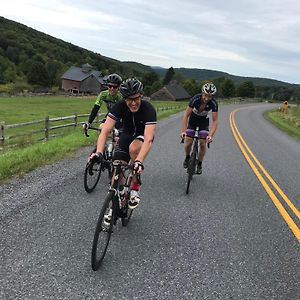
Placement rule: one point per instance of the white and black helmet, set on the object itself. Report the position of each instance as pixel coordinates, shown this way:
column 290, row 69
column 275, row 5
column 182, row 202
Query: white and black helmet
column 114, row 79
column 130, row 87
column 209, row 88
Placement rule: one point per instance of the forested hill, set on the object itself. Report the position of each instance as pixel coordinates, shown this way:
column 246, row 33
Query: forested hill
column 27, row 55
column 30, row 59
column 203, row 74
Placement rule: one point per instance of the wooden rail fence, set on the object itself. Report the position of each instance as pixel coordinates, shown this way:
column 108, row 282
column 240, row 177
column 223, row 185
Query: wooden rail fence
column 47, row 127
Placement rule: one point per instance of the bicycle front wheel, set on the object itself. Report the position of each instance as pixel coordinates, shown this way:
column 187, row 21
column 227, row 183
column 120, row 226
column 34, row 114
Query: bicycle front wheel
column 191, row 169
column 127, row 213
column 102, row 233
column 92, row 175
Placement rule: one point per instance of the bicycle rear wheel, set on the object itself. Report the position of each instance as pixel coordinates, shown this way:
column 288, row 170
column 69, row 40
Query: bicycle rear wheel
column 191, row 168
column 102, row 233
column 91, row 176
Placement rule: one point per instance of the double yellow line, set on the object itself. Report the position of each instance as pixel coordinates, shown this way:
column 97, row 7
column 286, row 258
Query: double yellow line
column 244, row 148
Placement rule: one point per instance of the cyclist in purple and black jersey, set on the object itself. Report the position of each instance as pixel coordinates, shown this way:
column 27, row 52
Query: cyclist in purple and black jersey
column 195, row 115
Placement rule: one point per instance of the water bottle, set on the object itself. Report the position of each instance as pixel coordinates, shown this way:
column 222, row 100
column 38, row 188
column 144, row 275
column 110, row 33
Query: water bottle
column 109, row 150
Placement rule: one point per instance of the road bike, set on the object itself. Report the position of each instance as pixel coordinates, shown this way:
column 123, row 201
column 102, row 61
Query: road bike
column 116, row 206
column 196, row 136
column 92, row 171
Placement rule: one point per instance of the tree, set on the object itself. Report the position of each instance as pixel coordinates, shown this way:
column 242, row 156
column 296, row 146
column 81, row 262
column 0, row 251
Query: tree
column 54, row 69
column 38, row 74
column 169, row 76
column 149, row 78
column 191, row 86
column 246, row 89
column 179, row 77
column 13, row 54
column 10, row 74
column 157, row 85
column 147, row 90
column 7, row 70
column 227, row 88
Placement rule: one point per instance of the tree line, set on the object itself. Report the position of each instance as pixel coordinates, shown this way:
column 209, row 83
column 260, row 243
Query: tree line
column 227, row 88
column 30, row 60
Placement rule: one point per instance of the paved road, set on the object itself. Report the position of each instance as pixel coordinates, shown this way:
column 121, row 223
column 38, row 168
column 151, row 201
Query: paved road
column 226, row 240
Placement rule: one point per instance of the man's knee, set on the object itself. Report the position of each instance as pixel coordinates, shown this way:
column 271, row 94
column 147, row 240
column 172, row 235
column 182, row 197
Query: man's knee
column 134, row 149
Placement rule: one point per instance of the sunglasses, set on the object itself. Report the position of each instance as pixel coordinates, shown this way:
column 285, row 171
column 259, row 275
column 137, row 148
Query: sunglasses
column 110, row 86
column 135, row 99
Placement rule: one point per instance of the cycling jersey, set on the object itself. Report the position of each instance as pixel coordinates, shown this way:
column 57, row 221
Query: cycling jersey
column 134, row 122
column 108, row 99
column 195, row 103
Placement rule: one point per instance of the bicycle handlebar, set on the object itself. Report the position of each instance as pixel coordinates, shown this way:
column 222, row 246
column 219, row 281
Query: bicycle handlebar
column 92, row 128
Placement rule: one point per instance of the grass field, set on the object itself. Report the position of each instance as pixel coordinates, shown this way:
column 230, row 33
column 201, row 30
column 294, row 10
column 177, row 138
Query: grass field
column 20, row 109
column 288, row 121
column 16, row 110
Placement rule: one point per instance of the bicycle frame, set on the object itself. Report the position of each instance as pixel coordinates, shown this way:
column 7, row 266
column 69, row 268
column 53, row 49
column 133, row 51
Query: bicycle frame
column 117, row 205
column 121, row 201
column 198, row 134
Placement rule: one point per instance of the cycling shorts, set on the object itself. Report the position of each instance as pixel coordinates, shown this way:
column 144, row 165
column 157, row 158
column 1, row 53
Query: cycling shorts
column 195, row 121
column 122, row 147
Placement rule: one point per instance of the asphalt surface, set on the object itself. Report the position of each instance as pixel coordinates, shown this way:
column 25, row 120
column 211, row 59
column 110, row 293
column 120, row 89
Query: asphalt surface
column 225, row 240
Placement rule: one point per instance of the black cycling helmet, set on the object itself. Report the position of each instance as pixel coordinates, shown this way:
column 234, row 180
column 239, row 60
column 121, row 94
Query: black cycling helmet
column 114, row 79
column 209, row 88
column 131, row 86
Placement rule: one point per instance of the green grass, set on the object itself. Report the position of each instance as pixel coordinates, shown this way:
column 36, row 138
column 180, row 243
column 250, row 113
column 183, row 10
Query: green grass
column 15, row 110
column 22, row 109
column 16, row 162
column 287, row 121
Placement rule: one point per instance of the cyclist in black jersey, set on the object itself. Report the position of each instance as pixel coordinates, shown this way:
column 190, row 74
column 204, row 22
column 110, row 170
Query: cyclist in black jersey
column 139, row 124
column 195, row 115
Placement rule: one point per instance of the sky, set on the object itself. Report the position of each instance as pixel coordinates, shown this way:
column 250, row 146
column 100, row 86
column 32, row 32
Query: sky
column 255, row 38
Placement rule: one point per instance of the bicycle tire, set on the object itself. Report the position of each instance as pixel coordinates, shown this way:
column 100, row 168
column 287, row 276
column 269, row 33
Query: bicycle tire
column 90, row 181
column 99, row 247
column 125, row 220
column 110, row 172
column 191, row 167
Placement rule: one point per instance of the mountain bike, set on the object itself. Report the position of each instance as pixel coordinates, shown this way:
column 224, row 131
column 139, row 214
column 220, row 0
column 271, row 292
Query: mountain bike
column 116, row 205
column 196, row 136
column 92, row 172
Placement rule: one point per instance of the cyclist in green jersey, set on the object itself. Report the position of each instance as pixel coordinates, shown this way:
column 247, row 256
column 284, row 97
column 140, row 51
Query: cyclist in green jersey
column 109, row 97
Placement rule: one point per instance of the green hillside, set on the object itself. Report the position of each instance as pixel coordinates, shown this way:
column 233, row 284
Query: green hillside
column 203, row 74
column 30, row 56
column 31, row 60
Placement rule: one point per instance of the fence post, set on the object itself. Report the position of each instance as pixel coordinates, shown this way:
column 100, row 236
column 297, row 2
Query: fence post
column 2, row 138
column 46, row 128
column 75, row 119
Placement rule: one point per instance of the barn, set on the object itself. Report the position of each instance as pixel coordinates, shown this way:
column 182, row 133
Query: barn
column 82, row 80
column 171, row 92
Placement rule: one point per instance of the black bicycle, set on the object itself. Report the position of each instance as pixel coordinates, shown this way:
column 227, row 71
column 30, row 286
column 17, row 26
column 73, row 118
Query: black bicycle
column 92, row 172
column 196, row 135
column 114, row 207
